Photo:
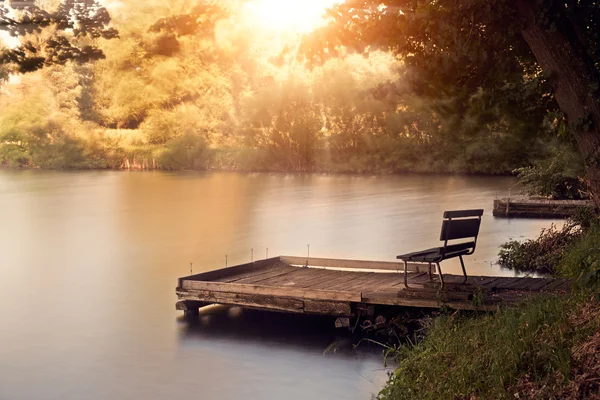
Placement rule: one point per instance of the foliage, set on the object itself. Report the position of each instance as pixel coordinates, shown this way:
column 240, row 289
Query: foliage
column 184, row 153
column 481, row 357
column 54, row 36
column 531, row 351
column 581, row 260
column 543, row 254
column 187, row 69
column 555, row 251
column 557, row 176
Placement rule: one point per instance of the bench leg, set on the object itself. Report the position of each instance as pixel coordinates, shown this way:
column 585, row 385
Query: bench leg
column 440, row 274
column 430, row 275
column 406, row 274
column 462, row 264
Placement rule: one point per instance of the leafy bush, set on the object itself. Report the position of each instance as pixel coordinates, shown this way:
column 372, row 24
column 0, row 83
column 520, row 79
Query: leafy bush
column 556, row 177
column 572, row 251
column 186, row 152
column 543, row 254
column 13, row 155
column 581, row 260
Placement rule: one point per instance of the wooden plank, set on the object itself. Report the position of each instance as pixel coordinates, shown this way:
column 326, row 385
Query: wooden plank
column 369, row 281
column 541, row 283
column 293, row 277
column 505, row 282
column 567, row 286
column 317, row 276
column 324, row 280
column 553, row 285
column 514, row 282
column 222, row 272
column 253, row 272
column 463, row 213
column 243, row 299
column 293, row 292
column 341, row 278
column 428, row 293
column 341, row 263
column 525, row 283
column 323, row 275
column 481, row 280
column 450, row 279
column 420, row 278
column 327, row 308
column 369, row 295
column 258, row 279
column 355, row 283
column 388, row 282
column 190, row 305
column 492, row 283
column 427, row 303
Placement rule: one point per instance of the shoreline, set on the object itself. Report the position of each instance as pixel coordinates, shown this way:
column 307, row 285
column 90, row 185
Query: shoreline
column 266, row 171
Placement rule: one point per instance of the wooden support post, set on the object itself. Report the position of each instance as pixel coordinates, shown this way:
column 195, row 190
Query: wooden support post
column 190, row 308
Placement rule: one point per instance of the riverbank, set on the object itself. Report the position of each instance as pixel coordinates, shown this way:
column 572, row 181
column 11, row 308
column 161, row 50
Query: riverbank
column 542, row 349
column 341, row 169
column 548, row 348
column 129, row 150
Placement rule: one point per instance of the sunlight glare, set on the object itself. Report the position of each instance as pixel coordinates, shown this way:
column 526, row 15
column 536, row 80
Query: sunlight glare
column 291, row 16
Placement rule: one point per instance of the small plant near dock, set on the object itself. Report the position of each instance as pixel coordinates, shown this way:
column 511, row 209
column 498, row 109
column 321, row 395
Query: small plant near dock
column 478, row 298
column 542, row 254
column 554, row 249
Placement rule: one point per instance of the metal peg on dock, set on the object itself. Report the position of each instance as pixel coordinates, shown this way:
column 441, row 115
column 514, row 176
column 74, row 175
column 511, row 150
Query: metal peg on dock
column 191, row 270
column 226, row 260
column 251, row 255
column 267, row 255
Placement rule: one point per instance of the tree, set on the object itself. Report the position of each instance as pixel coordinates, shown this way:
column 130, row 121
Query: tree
column 70, row 31
column 456, row 47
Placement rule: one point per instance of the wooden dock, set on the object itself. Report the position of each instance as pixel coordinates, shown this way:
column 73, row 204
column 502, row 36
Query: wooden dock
column 340, row 287
column 536, row 208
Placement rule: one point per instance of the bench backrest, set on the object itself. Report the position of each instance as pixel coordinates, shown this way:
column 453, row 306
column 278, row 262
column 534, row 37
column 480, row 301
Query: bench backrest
column 461, row 224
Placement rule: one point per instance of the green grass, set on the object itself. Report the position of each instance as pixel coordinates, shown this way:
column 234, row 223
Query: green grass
column 484, row 356
column 581, row 260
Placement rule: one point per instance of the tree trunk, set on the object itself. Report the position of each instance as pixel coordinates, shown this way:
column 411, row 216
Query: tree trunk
column 564, row 57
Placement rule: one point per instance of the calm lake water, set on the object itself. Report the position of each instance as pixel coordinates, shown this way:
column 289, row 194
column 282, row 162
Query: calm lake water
column 89, row 261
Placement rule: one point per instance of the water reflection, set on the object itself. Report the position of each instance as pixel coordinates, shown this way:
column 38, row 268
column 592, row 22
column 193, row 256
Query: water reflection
column 283, row 351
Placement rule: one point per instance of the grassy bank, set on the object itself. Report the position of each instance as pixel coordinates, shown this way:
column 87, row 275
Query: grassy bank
column 543, row 349
column 547, row 348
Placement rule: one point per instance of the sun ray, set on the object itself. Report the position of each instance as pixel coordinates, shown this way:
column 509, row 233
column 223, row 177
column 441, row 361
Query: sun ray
column 289, row 16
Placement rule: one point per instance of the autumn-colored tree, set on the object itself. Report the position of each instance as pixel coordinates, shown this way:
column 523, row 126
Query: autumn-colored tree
column 454, row 49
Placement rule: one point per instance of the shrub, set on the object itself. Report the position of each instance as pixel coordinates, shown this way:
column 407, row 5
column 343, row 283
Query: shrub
column 555, row 177
column 581, row 260
column 186, row 152
column 543, row 254
column 561, row 251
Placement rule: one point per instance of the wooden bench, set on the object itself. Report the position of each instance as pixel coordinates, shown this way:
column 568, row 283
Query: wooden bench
column 458, row 225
